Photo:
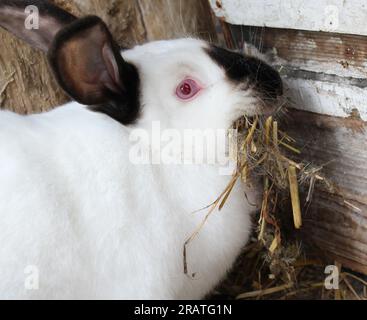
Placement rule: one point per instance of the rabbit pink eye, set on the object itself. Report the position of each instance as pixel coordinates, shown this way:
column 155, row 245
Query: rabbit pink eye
column 187, row 89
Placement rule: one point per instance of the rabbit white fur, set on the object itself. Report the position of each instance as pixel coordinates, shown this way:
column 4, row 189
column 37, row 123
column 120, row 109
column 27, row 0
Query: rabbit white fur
column 79, row 220
column 97, row 226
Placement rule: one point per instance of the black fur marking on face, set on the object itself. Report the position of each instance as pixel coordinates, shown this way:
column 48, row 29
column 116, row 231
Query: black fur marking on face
column 240, row 68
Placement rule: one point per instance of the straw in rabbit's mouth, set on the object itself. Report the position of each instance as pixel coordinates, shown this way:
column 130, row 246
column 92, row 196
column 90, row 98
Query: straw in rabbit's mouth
column 274, row 107
column 265, row 151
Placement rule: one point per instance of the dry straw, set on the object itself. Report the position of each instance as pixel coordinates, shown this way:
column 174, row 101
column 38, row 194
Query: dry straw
column 266, row 151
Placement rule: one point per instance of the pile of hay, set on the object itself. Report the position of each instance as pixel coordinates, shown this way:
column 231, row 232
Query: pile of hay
column 273, row 265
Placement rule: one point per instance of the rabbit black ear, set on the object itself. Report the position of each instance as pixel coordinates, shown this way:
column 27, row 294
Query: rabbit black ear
column 89, row 67
column 83, row 55
column 34, row 21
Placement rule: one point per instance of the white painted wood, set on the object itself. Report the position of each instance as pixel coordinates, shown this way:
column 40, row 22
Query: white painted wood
column 330, row 68
column 341, row 16
column 327, row 97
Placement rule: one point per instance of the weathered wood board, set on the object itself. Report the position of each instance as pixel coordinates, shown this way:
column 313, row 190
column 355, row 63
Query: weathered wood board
column 335, row 222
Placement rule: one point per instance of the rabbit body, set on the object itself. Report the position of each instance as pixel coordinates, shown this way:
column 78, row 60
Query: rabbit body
column 96, row 226
column 79, row 219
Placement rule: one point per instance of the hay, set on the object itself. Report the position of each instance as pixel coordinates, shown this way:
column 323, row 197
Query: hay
column 273, row 265
column 267, row 151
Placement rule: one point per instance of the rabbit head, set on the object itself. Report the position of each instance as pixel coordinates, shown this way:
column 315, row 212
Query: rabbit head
column 185, row 83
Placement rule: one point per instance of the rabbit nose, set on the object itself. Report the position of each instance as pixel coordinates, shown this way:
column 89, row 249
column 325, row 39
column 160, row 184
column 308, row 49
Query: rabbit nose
column 272, row 83
column 266, row 79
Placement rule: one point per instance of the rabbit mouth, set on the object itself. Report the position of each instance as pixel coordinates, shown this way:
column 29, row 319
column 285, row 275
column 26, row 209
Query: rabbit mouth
column 252, row 103
column 269, row 106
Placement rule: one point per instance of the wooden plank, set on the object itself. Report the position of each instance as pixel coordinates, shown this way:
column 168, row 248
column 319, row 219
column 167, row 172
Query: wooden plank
column 325, row 97
column 335, row 222
column 331, row 53
column 170, row 19
column 133, row 22
column 341, row 16
column 324, row 73
column 122, row 17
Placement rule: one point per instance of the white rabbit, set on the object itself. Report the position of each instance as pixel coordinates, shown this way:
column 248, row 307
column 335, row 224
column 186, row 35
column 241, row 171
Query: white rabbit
column 80, row 220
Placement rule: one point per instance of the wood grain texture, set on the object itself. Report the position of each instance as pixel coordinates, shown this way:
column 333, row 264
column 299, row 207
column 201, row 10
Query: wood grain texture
column 27, row 84
column 314, row 51
column 335, row 222
column 180, row 18
column 123, row 18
